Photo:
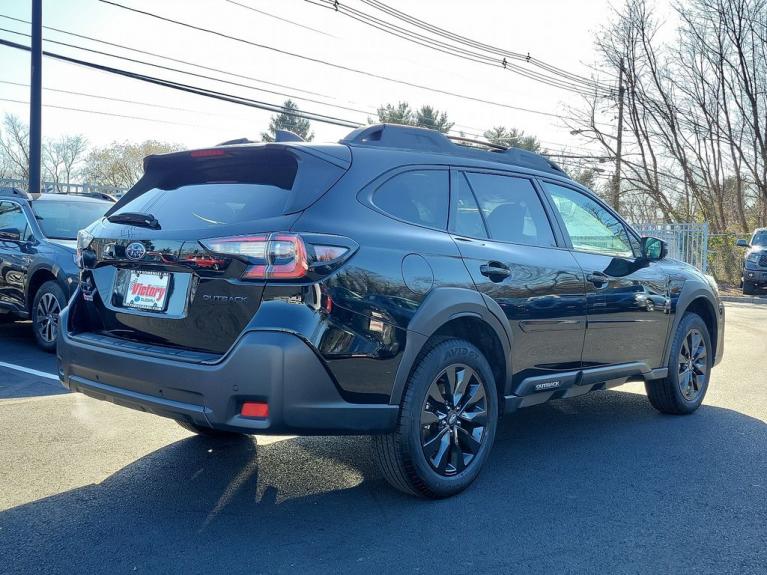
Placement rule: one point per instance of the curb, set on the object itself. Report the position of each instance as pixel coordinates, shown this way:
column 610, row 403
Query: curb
column 757, row 300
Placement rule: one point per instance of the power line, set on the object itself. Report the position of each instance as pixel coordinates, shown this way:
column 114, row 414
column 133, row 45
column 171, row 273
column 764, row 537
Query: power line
column 451, row 49
column 126, row 116
column 121, row 100
column 154, row 54
column 265, row 13
column 413, row 21
column 196, row 75
column 193, row 89
column 236, row 75
column 324, row 62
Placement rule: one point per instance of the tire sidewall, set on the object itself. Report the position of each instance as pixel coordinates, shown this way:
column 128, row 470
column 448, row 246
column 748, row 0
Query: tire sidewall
column 53, row 288
column 443, row 355
column 690, row 321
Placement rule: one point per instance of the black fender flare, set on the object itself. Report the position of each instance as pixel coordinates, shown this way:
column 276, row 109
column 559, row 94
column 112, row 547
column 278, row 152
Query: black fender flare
column 439, row 307
column 692, row 289
column 60, row 276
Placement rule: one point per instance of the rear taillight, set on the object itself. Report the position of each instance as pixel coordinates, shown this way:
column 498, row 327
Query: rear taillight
column 277, row 256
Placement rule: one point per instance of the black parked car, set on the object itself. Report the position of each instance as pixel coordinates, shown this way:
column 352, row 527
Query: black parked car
column 38, row 272
column 754, row 262
column 393, row 284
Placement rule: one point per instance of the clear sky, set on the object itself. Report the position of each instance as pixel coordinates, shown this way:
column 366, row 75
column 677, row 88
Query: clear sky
column 560, row 32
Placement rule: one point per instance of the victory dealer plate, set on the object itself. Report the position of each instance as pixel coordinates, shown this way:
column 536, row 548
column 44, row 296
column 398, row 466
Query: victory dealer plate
column 147, row 290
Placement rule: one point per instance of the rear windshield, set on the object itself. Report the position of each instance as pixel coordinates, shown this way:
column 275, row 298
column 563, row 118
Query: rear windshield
column 222, row 191
column 62, row 219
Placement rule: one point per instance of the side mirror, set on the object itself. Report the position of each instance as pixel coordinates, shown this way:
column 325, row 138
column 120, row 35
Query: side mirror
column 653, row 249
column 742, row 244
column 13, row 234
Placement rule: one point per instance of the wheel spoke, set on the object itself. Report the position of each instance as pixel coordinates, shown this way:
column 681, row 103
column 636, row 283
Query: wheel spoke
column 435, row 396
column 442, row 454
column 450, row 384
column 464, row 378
column 429, row 417
column 476, row 395
column 697, row 343
column 469, row 441
column 685, row 351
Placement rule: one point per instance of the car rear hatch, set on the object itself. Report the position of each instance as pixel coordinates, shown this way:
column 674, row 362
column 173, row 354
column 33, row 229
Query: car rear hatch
column 178, row 261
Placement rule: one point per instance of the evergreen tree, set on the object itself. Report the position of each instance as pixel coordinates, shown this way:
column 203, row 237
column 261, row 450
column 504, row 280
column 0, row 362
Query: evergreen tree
column 286, row 120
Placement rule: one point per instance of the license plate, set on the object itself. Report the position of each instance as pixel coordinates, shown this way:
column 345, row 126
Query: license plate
column 147, row 290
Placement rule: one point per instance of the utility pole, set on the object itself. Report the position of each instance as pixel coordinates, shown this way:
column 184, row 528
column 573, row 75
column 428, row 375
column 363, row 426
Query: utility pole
column 35, row 97
column 616, row 189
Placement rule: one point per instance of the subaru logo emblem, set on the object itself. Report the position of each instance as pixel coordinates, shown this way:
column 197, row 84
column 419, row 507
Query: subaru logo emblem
column 135, row 251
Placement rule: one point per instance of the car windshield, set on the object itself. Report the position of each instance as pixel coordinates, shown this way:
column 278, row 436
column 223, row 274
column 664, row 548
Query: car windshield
column 62, row 219
column 760, row 238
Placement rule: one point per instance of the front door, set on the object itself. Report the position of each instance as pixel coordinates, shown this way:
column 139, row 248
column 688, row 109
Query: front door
column 507, row 242
column 628, row 302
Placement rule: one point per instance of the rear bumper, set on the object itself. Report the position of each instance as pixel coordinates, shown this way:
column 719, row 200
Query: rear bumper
column 266, row 366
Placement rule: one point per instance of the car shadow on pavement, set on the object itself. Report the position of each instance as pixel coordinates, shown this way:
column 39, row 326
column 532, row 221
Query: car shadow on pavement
column 596, row 484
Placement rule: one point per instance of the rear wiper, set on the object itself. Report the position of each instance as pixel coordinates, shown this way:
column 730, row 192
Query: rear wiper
column 135, row 219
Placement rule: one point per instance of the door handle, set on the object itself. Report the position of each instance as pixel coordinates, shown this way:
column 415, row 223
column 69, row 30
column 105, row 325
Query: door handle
column 599, row 279
column 496, row 271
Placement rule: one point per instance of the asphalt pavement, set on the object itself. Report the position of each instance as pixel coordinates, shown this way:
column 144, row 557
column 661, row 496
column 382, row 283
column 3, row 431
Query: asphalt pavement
column 596, row 484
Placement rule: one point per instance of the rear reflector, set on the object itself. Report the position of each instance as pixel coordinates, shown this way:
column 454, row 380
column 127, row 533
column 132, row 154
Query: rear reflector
column 255, row 409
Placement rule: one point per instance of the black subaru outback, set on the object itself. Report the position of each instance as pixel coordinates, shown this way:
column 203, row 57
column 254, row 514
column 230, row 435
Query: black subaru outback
column 395, row 284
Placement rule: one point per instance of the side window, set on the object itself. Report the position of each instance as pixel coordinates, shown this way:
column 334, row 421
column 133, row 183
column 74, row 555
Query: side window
column 591, row 227
column 12, row 218
column 468, row 220
column 420, row 197
column 511, row 209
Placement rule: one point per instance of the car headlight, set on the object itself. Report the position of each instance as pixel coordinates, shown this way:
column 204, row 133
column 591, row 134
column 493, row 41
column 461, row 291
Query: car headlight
column 752, row 258
column 84, row 239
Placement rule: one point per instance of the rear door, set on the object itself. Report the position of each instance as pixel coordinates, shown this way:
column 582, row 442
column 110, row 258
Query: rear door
column 161, row 272
column 628, row 304
column 510, row 248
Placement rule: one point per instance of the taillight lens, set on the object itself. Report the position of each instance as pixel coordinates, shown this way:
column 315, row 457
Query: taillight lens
column 273, row 256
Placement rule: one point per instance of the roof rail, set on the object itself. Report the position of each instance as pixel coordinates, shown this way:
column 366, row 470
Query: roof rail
column 425, row 140
column 14, row 192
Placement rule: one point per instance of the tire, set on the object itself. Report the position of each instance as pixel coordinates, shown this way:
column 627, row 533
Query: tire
column 46, row 306
column 677, row 394
column 461, row 430
column 749, row 288
column 208, row 431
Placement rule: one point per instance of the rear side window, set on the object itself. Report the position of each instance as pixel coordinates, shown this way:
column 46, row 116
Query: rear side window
column 420, row 197
column 511, row 209
column 184, row 193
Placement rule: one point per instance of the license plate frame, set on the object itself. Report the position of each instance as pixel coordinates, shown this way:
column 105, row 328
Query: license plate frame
column 154, row 295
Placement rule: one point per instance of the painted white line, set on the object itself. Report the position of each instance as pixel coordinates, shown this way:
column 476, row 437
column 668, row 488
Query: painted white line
column 29, row 370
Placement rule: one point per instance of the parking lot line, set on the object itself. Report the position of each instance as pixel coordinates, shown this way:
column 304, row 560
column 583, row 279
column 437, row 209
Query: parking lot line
column 29, row 370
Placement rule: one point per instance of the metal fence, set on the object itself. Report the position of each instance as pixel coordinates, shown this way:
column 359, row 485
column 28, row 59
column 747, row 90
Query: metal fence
column 62, row 188
column 686, row 242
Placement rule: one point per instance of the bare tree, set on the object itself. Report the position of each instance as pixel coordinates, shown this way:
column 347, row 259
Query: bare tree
column 62, row 158
column 121, row 164
column 14, row 147
column 695, row 139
